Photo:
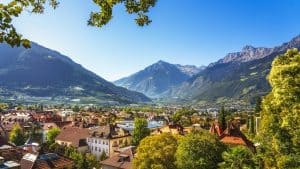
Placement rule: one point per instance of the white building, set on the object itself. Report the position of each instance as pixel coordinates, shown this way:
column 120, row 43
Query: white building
column 107, row 139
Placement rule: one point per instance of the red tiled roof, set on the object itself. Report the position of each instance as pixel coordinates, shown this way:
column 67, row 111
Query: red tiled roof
column 122, row 160
column 61, row 162
column 233, row 135
column 233, row 140
column 73, row 135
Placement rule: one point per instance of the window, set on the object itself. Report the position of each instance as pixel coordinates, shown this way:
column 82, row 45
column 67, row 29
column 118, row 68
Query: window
column 95, row 148
column 95, row 141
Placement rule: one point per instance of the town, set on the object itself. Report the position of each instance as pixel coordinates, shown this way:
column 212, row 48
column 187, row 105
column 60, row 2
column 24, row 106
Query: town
column 39, row 137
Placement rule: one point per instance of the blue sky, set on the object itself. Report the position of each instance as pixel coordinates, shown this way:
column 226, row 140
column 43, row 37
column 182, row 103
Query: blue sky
column 194, row 32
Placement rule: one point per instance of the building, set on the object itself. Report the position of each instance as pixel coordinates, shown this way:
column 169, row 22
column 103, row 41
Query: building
column 173, row 129
column 122, row 159
column 232, row 135
column 45, row 161
column 107, row 139
column 48, row 126
column 8, row 164
column 75, row 137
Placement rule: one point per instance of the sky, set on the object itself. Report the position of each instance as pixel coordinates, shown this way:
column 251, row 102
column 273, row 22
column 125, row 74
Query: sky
column 194, row 32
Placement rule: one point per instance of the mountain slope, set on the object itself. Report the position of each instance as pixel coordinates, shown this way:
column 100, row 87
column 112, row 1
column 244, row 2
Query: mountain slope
column 158, row 78
column 41, row 72
column 238, row 76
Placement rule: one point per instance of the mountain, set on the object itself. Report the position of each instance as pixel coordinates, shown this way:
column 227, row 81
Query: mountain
column 238, row 76
column 158, row 78
column 39, row 73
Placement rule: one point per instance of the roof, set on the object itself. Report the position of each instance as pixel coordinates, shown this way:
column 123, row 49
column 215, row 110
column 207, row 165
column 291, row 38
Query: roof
column 9, row 164
column 122, row 160
column 48, row 126
column 44, row 161
column 215, row 129
column 233, row 135
column 51, row 160
column 75, row 135
column 108, row 132
column 28, row 160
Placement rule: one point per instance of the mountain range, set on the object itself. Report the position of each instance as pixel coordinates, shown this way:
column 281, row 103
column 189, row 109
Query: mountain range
column 39, row 74
column 237, row 76
column 159, row 77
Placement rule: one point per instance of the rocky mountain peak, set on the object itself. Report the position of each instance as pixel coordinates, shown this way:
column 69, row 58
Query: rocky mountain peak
column 248, row 48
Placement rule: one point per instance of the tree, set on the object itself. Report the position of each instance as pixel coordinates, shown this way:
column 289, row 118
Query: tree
column 76, row 108
column 239, row 157
column 13, row 9
column 51, row 135
column 78, row 160
column 103, row 156
column 16, row 135
column 199, row 150
column 156, row 152
column 280, row 116
column 183, row 116
column 222, row 118
column 3, row 106
column 251, row 129
column 91, row 161
column 258, row 105
column 140, row 130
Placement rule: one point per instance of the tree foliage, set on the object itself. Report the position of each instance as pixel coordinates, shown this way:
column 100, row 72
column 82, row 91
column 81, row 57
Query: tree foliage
column 183, row 116
column 258, row 105
column 16, row 135
column 156, row 152
column 280, row 124
column 199, row 150
column 81, row 160
column 140, row 130
column 14, row 8
column 239, row 157
column 3, row 106
column 222, row 118
column 51, row 135
column 103, row 156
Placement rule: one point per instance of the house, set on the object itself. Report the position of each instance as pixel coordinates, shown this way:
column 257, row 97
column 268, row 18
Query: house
column 46, row 117
column 58, row 124
column 45, row 161
column 107, row 139
column 75, row 137
column 8, row 164
column 121, row 160
column 232, row 135
column 173, row 129
column 216, row 129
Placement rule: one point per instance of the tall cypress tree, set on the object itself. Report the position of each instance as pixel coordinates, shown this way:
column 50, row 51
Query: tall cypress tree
column 222, row 118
